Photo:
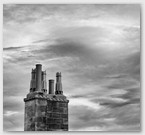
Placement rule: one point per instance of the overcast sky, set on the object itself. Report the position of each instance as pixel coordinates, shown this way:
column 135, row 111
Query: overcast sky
column 97, row 49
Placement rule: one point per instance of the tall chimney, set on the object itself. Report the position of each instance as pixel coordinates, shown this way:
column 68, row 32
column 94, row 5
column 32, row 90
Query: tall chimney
column 33, row 81
column 38, row 77
column 51, row 86
column 58, row 88
column 44, row 83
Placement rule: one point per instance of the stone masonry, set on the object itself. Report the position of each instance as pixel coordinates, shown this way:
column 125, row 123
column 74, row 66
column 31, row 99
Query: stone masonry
column 45, row 111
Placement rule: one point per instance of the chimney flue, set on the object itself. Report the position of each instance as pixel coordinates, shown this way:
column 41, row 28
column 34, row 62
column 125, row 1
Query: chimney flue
column 58, row 88
column 38, row 77
column 51, row 86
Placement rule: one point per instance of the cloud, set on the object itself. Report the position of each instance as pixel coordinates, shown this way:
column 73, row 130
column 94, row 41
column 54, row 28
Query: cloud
column 13, row 122
column 32, row 12
column 78, row 78
column 83, row 118
column 25, row 24
column 9, row 113
column 98, row 53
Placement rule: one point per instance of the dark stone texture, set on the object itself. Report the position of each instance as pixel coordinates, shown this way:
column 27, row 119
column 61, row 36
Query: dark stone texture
column 46, row 112
column 56, row 115
column 64, row 115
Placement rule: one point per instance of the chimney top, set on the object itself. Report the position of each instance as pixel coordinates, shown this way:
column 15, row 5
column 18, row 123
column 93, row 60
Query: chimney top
column 51, row 80
column 38, row 65
column 58, row 74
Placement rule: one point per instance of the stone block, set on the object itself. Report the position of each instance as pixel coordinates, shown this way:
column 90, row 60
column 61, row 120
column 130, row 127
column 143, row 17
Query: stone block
column 54, row 126
column 41, row 108
column 32, row 126
column 49, row 115
column 55, row 109
column 49, row 120
column 56, row 115
column 61, row 110
column 65, row 110
column 42, row 102
column 57, row 121
column 40, row 125
column 64, row 115
column 65, row 121
column 49, row 108
column 64, row 126
column 61, row 104
column 41, row 120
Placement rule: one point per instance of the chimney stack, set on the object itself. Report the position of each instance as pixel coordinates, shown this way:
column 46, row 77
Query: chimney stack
column 58, row 89
column 51, row 86
column 38, row 77
column 45, row 111
column 33, row 81
column 44, row 83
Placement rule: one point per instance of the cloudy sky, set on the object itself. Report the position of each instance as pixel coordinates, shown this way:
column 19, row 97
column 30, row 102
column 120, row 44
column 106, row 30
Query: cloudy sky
column 97, row 49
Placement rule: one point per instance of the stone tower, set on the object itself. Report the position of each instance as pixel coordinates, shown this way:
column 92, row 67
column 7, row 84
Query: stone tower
column 45, row 111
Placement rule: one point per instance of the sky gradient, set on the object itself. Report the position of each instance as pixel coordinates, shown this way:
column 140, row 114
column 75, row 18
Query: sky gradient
column 97, row 49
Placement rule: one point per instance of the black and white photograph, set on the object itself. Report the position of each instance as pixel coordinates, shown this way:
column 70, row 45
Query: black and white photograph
column 71, row 67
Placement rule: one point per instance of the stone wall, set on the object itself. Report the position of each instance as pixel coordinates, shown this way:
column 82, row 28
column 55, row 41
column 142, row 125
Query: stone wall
column 40, row 122
column 46, row 114
column 57, row 115
column 30, row 110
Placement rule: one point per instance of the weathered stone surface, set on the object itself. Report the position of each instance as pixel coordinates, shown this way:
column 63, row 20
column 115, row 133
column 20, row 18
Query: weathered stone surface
column 41, row 102
column 64, row 115
column 65, row 121
column 43, row 114
column 29, row 115
column 56, row 115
